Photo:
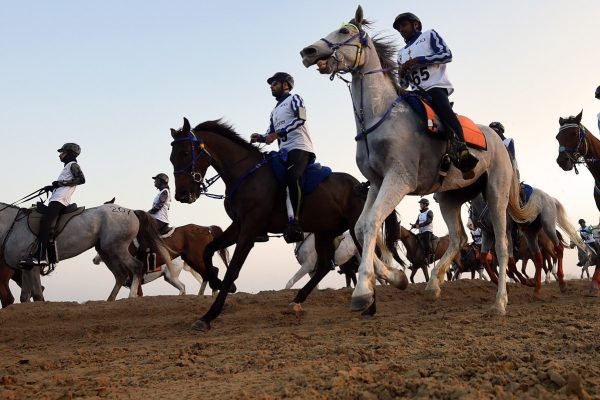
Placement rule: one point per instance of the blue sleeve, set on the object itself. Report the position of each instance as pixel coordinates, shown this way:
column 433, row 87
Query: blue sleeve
column 441, row 54
column 511, row 148
column 295, row 123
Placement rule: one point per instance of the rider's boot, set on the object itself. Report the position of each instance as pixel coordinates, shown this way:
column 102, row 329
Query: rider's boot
column 465, row 161
column 31, row 260
column 293, row 232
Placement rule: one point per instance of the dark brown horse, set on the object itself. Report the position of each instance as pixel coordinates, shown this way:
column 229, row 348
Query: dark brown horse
column 577, row 145
column 256, row 204
column 416, row 255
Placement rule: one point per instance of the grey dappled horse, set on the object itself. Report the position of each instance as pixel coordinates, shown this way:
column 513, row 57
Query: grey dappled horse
column 109, row 228
column 399, row 158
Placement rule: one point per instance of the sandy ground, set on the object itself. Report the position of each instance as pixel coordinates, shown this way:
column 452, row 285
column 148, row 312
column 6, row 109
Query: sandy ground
column 413, row 348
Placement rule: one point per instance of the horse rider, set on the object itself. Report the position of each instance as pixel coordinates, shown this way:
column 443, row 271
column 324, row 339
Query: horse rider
column 476, row 236
column 162, row 202
column 62, row 189
column 425, row 225
column 587, row 234
column 509, row 143
column 597, row 95
column 288, row 126
column 422, row 65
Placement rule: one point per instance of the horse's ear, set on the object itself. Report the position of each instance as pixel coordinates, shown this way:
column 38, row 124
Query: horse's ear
column 578, row 117
column 186, row 125
column 358, row 17
column 173, row 133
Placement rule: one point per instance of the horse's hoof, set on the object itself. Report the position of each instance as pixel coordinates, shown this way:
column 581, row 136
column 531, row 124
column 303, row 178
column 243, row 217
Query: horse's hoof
column 529, row 282
column 362, row 303
column 433, row 294
column 496, row 311
column 201, row 326
column 371, row 310
column 233, row 288
column 563, row 287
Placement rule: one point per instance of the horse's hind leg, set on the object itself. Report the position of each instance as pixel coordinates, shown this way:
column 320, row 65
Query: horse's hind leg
column 531, row 236
column 5, row 274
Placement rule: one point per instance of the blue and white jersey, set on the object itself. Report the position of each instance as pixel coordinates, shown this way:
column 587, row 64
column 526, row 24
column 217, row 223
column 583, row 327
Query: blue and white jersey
column 423, row 217
column 587, row 234
column 63, row 194
column 288, row 120
column 476, row 235
column 431, row 53
column 162, row 202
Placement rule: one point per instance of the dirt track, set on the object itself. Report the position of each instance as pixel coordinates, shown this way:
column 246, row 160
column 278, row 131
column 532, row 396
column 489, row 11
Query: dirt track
column 144, row 348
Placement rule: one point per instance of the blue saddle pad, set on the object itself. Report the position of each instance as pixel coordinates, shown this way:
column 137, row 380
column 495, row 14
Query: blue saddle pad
column 527, row 190
column 413, row 99
column 314, row 174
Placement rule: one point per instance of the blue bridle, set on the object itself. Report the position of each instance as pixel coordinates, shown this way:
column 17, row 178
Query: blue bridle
column 198, row 151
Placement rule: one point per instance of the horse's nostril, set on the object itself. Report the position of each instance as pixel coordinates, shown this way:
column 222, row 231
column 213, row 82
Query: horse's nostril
column 308, row 51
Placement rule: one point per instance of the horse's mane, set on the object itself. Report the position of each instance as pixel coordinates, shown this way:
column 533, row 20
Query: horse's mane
column 386, row 51
column 226, row 130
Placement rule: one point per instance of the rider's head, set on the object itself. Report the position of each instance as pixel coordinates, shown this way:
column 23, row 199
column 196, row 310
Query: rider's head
column 598, row 93
column 407, row 24
column 424, row 203
column 280, row 83
column 161, row 180
column 498, row 128
column 69, row 152
column 582, row 222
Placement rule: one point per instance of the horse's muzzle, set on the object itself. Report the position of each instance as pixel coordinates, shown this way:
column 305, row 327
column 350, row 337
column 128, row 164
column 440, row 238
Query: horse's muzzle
column 564, row 162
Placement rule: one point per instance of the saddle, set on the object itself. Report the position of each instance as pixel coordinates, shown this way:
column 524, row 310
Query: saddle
column 312, row 177
column 474, row 137
column 58, row 225
column 525, row 193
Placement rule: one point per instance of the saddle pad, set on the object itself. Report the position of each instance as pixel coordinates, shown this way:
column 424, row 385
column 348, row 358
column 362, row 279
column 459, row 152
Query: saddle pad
column 33, row 221
column 526, row 191
column 314, row 174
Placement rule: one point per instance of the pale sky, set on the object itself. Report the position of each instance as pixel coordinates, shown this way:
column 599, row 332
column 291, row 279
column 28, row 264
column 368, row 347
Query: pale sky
column 114, row 76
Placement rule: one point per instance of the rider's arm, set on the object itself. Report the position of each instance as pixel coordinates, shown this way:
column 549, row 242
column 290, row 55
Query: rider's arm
column 159, row 202
column 78, row 178
column 300, row 117
column 441, row 54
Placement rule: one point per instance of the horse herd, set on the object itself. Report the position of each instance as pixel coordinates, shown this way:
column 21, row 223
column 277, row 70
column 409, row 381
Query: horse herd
column 392, row 151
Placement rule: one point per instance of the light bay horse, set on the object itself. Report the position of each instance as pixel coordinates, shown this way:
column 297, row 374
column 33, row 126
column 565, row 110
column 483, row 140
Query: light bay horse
column 109, row 228
column 399, row 158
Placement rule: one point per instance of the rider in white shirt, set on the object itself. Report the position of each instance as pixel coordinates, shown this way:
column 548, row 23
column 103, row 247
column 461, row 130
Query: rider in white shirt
column 288, row 126
column 597, row 95
column 62, row 189
column 162, row 202
column 422, row 64
column 425, row 225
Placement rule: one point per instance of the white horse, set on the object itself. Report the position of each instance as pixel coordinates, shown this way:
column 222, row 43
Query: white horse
column 178, row 265
column 109, row 228
column 345, row 249
column 399, row 158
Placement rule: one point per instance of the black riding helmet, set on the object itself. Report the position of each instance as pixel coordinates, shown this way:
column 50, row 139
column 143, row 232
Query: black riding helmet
column 162, row 177
column 424, row 201
column 598, row 92
column 282, row 77
column 74, row 148
column 498, row 127
column 408, row 16
column 582, row 221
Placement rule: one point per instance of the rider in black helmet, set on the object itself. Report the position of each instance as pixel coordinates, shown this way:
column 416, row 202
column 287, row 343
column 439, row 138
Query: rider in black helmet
column 62, row 189
column 422, row 64
column 425, row 225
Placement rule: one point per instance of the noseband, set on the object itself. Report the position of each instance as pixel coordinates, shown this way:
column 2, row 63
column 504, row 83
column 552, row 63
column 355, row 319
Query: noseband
column 198, row 150
column 577, row 153
column 363, row 42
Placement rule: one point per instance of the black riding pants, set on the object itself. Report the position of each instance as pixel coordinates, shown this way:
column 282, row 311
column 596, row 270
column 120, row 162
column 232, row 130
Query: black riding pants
column 441, row 105
column 54, row 210
column 425, row 239
column 296, row 164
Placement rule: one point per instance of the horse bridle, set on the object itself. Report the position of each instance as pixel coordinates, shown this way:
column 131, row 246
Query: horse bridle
column 198, row 151
column 363, row 42
column 575, row 154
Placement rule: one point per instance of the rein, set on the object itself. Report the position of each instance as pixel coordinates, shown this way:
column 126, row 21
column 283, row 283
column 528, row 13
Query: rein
column 359, row 114
column 23, row 199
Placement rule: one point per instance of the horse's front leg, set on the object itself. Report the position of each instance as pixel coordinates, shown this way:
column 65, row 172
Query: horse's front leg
column 380, row 204
column 227, row 238
column 248, row 233
column 6, row 273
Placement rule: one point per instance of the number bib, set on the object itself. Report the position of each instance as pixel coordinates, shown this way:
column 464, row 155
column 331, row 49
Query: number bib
column 423, row 76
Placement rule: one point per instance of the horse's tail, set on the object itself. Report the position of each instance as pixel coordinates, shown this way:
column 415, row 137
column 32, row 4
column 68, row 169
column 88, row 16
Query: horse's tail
column 392, row 235
column 561, row 239
column 149, row 238
column 521, row 214
column 215, row 231
column 563, row 223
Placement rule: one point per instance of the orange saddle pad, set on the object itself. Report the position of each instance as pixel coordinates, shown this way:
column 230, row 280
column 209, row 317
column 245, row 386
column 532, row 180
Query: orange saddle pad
column 474, row 137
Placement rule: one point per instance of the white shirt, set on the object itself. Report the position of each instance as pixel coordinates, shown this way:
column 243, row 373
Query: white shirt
column 285, row 119
column 163, row 213
column 432, row 54
column 422, row 218
column 476, row 235
column 63, row 194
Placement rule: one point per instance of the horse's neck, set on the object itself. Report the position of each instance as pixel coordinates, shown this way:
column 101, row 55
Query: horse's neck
column 372, row 94
column 410, row 242
column 593, row 154
column 232, row 160
column 7, row 217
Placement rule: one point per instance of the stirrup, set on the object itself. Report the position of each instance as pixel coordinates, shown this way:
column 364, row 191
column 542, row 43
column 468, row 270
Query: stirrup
column 293, row 233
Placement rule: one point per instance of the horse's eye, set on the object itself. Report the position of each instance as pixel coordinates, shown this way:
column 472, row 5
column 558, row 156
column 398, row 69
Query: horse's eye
column 344, row 31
